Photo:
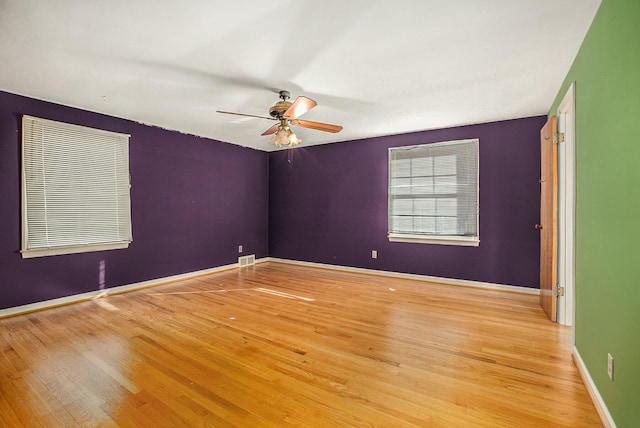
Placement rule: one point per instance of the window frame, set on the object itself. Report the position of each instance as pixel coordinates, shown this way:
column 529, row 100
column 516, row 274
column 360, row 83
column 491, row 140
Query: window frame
column 459, row 240
column 123, row 231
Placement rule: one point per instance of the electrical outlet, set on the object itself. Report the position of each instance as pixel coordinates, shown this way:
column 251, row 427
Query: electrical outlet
column 239, row 248
column 374, row 254
column 610, row 366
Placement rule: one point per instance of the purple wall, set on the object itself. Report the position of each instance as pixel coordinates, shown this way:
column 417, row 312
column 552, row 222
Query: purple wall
column 193, row 201
column 328, row 204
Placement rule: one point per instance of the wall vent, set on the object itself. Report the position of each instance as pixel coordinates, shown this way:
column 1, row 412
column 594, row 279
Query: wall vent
column 247, row 260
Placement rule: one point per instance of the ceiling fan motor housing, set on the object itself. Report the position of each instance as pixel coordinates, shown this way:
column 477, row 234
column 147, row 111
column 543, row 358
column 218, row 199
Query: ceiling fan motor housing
column 279, row 109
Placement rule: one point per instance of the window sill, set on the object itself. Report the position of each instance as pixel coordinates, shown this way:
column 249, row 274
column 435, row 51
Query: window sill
column 439, row 240
column 74, row 249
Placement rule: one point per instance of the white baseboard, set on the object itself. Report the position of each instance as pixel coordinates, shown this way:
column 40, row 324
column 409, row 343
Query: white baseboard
column 17, row 310
column 450, row 281
column 601, row 407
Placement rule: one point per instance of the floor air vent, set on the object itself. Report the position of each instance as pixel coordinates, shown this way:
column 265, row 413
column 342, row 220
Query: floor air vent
column 247, row 260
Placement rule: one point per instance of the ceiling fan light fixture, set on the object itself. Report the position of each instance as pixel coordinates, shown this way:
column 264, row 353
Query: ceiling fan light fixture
column 293, row 139
column 284, row 136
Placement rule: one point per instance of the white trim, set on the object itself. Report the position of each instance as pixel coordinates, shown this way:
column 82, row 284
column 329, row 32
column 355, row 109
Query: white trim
column 436, row 144
column 76, row 298
column 73, row 249
column 566, row 208
column 598, row 402
column 78, row 127
column 435, row 239
column 47, row 304
column 450, row 281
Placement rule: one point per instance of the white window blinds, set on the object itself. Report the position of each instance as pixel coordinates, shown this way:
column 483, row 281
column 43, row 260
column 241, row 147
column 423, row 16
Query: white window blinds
column 433, row 193
column 75, row 192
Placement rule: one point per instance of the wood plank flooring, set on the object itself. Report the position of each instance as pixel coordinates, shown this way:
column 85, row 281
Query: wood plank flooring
column 277, row 345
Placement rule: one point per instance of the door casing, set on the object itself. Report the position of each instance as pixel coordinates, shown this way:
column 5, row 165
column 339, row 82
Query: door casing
column 566, row 208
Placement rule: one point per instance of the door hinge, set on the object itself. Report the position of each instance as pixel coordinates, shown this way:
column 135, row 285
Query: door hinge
column 558, row 291
column 558, row 137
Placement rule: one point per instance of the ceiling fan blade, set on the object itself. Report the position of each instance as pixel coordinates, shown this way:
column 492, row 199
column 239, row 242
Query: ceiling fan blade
column 271, row 130
column 246, row 115
column 319, row 126
column 299, row 107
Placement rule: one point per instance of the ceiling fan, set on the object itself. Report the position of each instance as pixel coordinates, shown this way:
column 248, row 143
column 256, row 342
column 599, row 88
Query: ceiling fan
column 287, row 113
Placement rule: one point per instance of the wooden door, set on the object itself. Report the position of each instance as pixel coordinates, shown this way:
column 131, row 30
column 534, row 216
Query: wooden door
column 548, row 225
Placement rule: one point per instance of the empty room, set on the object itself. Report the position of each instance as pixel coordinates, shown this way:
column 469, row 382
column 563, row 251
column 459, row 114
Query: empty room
column 319, row 214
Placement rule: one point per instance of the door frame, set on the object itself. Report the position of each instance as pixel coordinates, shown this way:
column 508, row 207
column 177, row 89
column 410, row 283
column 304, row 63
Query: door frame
column 566, row 208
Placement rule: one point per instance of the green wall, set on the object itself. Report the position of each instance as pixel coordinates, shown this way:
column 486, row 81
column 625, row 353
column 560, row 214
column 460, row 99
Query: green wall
column 607, row 75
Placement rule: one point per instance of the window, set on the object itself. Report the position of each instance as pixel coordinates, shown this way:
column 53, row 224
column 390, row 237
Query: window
column 433, row 193
column 75, row 189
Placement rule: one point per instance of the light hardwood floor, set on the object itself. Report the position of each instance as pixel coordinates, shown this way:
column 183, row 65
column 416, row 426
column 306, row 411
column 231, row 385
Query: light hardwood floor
column 278, row 345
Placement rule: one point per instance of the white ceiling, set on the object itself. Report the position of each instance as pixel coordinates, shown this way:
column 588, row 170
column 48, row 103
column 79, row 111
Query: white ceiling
column 377, row 67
